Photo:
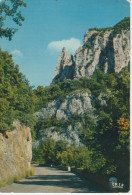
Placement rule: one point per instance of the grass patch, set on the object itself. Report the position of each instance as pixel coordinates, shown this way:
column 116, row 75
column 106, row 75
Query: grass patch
column 6, row 183
column 16, row 179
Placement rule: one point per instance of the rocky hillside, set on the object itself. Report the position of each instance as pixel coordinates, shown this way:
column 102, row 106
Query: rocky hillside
column 15, row 154
column 107, row 49
column 77, row 103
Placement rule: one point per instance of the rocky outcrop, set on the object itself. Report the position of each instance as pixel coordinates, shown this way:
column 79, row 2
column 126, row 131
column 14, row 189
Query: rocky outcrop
column 103, row 48
column 15, row 153
column 70, row 133
column 95, row 53
column 65, row 66
column 77, row 103
column 49, row 111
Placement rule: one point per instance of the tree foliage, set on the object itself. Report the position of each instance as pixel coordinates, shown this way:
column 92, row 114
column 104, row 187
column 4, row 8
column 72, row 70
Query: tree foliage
column 10, row 9
column 16, row 96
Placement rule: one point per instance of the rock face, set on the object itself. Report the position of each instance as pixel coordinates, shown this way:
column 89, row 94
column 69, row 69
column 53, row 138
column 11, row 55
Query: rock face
column 121, row 44
column 68, row 133
column 77, row 103
column 102, row 49
column 95, row 53
column 65, row 66
column 15, row 153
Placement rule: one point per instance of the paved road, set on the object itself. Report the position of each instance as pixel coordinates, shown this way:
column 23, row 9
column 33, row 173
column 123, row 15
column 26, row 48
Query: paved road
column 51, row 180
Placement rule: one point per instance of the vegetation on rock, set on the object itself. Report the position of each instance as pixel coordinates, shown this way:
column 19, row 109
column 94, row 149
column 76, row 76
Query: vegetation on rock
column 122, row 25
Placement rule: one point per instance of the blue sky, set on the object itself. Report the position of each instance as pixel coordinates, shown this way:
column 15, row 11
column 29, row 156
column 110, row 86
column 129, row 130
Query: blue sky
column 49, row 25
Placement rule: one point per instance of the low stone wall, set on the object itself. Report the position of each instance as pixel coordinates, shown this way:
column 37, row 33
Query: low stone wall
column 64, row 168
column 15, row 154
column 98, row 180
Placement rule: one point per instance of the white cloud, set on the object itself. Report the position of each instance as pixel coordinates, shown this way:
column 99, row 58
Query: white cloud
column 71, row 45
column 17, row 53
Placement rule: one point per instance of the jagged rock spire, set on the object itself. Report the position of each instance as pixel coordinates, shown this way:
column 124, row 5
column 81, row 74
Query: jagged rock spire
column 65, row 66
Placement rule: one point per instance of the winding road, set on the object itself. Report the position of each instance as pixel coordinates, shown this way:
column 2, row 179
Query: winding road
column 51, row 180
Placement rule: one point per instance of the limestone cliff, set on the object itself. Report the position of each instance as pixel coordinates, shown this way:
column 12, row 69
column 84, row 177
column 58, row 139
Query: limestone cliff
column 107, row 49
column 69, row 133
column 77, row 103
column 15, row 153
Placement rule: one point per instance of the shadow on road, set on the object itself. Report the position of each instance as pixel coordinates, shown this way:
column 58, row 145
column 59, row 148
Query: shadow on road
column 54, row 177
column 63, row 181
column 52, row 180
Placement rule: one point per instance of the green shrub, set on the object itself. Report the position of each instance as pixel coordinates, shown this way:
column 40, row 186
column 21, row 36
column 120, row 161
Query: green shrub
column 32, row 171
